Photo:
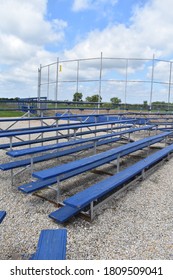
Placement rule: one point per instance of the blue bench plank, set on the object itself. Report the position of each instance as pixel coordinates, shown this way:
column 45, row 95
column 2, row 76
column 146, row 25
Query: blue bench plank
column 71, row 169
column 64, row 213
column 60, row 128
column 82, row 199
column 47, row 139
column 2, row 215
column 99, row 159
column 30, row 151
column 51, row 245
column 25, row 162
column 38, row 185
column 98, row 190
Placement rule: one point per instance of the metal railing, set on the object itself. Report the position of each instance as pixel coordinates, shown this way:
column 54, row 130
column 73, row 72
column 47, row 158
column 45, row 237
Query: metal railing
column 133, row 80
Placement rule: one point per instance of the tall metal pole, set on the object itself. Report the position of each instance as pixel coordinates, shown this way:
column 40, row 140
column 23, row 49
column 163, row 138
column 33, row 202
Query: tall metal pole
column 57, row 80
column 100, row 79
column 152, row 81
column 77, row 77
column 39, row 83
column 39, row 90
column 48, row 82
column 125, row 91
column 170, row 79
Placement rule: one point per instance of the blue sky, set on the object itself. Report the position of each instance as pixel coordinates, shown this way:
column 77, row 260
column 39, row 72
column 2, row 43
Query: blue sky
column 82, row 19
column 34, row 32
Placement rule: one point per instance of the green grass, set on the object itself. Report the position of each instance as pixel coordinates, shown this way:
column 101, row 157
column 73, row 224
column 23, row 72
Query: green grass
column 8, row 114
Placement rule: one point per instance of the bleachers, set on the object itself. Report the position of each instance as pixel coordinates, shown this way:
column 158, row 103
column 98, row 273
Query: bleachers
column 68, row 170
column 60, row 128
column 101, row 158
column 64, row 131
column 51, row 245
column 2, row 215
column 38, row 149
column 25, row 162
column 65, row 136
column 112, row 185
column 52, row 242
column 93, row 142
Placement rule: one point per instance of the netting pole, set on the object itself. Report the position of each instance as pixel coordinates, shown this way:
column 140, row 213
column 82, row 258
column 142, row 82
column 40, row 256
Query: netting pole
column 152, row 81
column 57, row 79
column 48, row 74
column 170, row 79
column 77, row 77
column 100, row 79
column 39, row 88
column 125, row 91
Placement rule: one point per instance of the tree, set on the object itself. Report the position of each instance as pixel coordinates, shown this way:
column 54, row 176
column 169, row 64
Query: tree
column 115, row 100
column 94, row 98
column 145, row 104
column 77, row 96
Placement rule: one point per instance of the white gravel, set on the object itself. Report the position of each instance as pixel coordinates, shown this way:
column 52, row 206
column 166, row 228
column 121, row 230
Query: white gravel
column 136, row 225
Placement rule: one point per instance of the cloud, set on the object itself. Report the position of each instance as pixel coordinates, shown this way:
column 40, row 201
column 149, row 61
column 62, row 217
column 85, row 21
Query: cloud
column 24, row 29
column 150, row 31
column 81, row 5
column 25, row 32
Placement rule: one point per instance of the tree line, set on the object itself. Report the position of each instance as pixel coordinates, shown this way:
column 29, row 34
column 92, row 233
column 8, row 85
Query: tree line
column 78, row 97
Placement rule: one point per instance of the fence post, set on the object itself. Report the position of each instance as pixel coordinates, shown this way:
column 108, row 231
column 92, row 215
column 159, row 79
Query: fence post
column 48, row 82
column 152, row 81
column 57, row 80
column 170, row 78
column 100, row 79
column 39, row 89
column 125, row 91
column 77, row 77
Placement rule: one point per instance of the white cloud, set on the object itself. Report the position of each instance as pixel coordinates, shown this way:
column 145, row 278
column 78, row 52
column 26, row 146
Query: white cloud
column 24, row 29
column 24, row 32
column 150, row 32
column 80, row 5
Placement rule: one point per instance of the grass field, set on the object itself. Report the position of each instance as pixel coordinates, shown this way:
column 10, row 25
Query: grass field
column 9, row 114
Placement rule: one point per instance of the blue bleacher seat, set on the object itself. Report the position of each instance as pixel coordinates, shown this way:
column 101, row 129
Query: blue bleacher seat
column 51, row 245
column 2, row 215
column 76, row 203
column 99, row 159
column 25, row 162
column 64, row 127
column 74, row 168
column 30, row 151
column 48, row 139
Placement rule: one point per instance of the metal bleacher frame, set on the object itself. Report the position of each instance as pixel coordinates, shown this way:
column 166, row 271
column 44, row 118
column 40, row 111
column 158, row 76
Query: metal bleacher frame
column 89, row 200
column 53, row 176
column 79, row 122
column 94, row 143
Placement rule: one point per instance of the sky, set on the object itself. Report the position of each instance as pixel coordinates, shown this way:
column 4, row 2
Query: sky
column 38, row 32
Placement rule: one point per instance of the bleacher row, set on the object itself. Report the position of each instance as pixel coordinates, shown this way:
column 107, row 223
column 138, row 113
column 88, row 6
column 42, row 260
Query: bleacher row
column 87, row 200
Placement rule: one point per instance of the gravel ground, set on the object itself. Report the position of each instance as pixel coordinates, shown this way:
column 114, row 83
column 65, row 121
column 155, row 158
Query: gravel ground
column 136, row 225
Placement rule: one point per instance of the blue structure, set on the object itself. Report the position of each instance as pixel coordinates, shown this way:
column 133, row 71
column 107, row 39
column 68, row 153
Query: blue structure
column 51, row 245
column 112, row 185
column 56, row 174
column 2, row 215
column 31, row 104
